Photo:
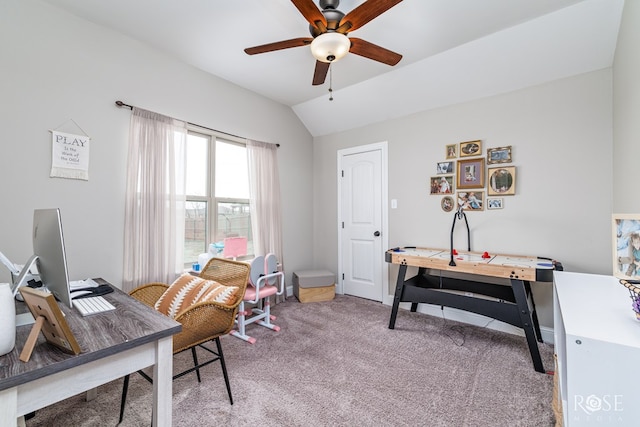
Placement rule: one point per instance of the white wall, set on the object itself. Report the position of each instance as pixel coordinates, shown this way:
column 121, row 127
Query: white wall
column 57, row 67
column 626, row 112
column 561, row 138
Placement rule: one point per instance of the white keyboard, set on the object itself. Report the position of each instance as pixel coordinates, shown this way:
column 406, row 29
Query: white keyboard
column 92, row 305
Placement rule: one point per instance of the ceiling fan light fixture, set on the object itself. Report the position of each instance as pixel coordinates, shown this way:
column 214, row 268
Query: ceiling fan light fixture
column 330, row 47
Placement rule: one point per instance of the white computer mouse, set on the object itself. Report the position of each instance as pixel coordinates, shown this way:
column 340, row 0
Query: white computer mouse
column 77, row 294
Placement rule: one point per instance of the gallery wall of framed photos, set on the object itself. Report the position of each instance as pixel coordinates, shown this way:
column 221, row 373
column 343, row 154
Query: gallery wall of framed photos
column 469, row 179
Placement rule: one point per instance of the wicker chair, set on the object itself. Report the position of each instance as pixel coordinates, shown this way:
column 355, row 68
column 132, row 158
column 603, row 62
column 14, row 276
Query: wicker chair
column 201, row 322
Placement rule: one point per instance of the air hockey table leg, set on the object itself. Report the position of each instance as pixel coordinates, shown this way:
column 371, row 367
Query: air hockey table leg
column 534, row 314
column 526, row 319
column 398, row 294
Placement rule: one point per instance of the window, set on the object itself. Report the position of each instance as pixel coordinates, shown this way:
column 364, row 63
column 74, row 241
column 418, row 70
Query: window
column 217, row 186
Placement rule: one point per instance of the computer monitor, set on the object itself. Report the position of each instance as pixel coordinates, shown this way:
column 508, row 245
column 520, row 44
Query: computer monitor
column 48, row 246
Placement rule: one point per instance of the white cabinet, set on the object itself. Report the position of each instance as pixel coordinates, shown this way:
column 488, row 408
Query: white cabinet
column 597, row 342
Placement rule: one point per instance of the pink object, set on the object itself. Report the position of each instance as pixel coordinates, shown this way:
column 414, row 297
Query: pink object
column 234, row 247
column 266, row 291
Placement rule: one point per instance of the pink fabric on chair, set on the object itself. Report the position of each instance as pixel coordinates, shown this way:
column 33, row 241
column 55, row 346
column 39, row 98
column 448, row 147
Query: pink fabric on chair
column 265, row 291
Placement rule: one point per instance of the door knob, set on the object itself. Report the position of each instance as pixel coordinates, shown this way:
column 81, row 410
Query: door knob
column 377, row 233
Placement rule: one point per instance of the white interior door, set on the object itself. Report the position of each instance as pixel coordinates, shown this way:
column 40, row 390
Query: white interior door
column 361, row 223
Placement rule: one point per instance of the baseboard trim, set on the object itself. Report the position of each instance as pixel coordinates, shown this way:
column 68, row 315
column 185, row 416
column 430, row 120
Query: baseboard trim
column 471, row 318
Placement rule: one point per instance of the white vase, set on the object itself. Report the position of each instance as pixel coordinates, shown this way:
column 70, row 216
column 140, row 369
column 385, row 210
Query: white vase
column 7, row 319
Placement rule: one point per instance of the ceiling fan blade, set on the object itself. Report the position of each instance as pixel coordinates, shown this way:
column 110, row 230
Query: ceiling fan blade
column 364, row 13
column 311, row 13
column 372, row 51
column 284, row 44
column 320, row 74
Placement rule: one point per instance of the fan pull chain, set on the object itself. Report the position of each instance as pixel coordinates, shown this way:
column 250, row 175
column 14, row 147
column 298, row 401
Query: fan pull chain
column 330, row 82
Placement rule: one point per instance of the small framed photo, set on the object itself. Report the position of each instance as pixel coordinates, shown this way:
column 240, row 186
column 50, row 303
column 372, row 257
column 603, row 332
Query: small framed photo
column 494, row 203
column 498, row 155
column 447, row 203
column 502, row 181
column 49, row 320
column 471, row 201
column 470, row 148
column 626, row 246
column 470, row 173
column 451, row 151
column 445, row 167
column 441, row 184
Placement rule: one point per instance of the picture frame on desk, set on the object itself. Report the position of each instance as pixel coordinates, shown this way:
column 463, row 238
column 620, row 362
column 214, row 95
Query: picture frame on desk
column 626, row 246
column 470, row 173
column 50, row 321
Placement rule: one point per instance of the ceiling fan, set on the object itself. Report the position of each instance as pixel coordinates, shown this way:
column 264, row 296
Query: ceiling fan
column 329, row 28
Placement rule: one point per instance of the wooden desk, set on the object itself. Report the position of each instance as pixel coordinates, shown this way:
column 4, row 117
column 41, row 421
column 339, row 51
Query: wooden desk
column 113, row 344
column 510, row 304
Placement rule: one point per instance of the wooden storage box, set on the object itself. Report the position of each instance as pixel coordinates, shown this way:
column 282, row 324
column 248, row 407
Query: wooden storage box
column 314, row 285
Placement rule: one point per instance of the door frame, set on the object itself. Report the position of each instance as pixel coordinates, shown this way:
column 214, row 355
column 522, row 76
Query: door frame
column 383, row 148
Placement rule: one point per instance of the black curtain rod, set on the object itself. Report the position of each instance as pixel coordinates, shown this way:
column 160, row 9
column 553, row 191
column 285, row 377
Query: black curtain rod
column 122, row 104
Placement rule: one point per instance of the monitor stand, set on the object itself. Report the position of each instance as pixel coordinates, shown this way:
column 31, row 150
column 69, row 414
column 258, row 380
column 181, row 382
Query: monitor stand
column 24, row 318
column 24, row 273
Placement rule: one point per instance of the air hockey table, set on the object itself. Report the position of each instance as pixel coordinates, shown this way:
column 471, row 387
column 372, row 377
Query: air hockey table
column 510, row 304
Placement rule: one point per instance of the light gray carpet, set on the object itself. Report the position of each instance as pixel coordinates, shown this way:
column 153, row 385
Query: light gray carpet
column 337, row 363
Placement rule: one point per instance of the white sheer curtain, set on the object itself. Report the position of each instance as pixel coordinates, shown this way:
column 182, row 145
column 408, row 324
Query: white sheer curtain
column 155, row 199
column 265, row 204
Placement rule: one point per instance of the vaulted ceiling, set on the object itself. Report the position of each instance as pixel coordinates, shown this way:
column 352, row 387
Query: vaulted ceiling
column 453, row 50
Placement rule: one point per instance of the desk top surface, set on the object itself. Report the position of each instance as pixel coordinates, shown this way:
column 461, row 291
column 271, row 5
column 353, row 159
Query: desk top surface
column 100, row 335
column 495, row 265
column 595, row 307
